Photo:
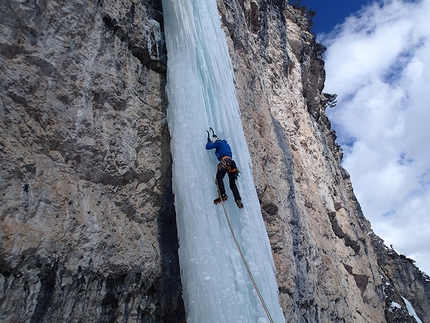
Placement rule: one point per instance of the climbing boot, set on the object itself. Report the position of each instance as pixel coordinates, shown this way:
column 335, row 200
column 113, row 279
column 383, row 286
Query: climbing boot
column 221, row 198
column 239, row 204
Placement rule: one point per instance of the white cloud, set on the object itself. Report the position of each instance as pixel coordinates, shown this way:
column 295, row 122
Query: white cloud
column 378, row 63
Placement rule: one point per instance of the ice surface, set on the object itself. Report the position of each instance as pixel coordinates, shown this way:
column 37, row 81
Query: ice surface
column 411, row 310
column 217, row 287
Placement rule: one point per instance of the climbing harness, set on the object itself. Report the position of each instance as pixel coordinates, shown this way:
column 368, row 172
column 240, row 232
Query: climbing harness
column 244, row 261
column 228, row 164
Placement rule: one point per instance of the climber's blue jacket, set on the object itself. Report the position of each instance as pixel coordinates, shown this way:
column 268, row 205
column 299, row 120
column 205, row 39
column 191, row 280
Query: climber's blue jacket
column 222, row 148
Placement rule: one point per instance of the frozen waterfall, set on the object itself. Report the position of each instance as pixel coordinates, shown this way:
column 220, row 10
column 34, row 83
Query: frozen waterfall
column 217, row 287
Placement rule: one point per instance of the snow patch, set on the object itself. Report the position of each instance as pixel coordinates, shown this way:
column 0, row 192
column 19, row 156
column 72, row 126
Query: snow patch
column 411, row 310
column 394, row 305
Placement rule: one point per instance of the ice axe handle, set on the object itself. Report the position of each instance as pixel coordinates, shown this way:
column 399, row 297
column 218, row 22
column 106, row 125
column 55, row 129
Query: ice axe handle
column 213, row 133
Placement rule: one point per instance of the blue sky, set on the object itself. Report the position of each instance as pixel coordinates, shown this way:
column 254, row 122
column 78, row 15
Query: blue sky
column 378, row 63
column 332, row 12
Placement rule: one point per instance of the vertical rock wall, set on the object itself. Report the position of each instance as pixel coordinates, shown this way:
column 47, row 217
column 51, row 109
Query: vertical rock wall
column 87, row 223
column 88, row 231
column 327, row 257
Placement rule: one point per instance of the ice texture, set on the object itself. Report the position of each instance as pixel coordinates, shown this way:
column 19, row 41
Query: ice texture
column 201, row 94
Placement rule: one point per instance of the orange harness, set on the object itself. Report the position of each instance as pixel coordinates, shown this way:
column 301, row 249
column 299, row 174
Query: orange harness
column 228, row 164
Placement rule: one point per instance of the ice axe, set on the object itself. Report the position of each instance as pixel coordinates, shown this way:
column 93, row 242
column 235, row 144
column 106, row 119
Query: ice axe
column 213, row 134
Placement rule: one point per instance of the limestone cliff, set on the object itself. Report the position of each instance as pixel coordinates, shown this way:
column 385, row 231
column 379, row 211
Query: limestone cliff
column 88, row 229
column 331, row 266
column 87, row 222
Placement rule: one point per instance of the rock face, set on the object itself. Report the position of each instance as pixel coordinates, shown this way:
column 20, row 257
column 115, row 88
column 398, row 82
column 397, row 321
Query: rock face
column 87, row 223
column 331, row 266
column 88, row 228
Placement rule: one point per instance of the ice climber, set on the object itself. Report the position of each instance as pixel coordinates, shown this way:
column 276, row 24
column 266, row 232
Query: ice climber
column 226, row 166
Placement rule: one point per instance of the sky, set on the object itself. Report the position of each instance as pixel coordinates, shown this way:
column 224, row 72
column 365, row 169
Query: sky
column 378, row 63
column 331, row 12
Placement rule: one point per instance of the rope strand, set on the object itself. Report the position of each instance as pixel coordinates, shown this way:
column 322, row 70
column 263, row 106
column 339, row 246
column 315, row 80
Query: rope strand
column 244, row 260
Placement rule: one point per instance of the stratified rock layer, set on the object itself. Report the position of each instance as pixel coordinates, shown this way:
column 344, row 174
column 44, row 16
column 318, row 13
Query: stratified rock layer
column 331, row 266
column 87, row 223
column 87, row 220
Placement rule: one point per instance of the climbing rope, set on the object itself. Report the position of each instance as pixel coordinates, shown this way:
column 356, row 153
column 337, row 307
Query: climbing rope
column 244, row 260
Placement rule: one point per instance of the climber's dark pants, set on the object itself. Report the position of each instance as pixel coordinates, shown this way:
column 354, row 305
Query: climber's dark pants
column 232, row 179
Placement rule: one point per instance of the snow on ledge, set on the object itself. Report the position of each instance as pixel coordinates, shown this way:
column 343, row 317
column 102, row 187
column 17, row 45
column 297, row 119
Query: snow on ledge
column 411, row 310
